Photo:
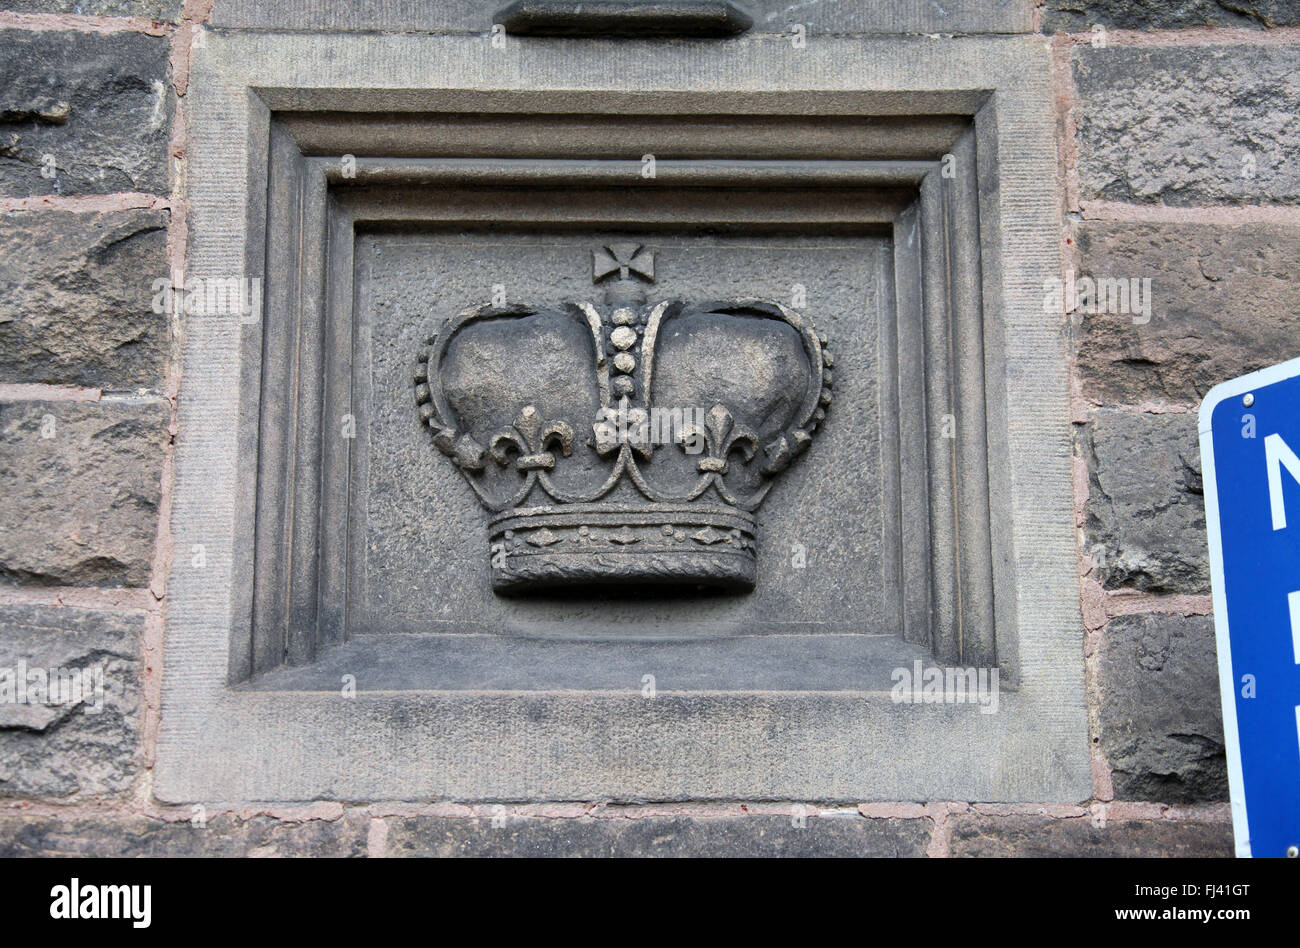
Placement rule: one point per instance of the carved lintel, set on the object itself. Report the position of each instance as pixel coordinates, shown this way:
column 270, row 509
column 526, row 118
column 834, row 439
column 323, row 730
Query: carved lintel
column 624, row 18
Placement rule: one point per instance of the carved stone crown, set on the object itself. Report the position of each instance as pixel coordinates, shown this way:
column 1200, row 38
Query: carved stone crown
column 628, row 443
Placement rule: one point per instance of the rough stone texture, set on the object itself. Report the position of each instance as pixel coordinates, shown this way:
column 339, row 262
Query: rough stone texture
column 1077, row 15
column 976, row 835
column 224, row 835
column 160, row 11
column 1198, row 333
column 748, row 836
column 68, row 749
column 81, row 506
column 1181, row 125
column 1145, row 523
column 1160, row 724
column 75, row 298
column 98, row 103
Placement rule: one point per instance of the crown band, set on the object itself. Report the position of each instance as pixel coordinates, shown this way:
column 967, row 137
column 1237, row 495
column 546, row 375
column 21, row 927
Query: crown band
column 597, row 544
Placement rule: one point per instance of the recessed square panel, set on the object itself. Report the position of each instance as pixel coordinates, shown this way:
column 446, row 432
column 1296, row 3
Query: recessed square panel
column 420, row 551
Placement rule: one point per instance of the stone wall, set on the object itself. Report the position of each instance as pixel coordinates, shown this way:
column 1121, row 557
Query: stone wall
column 1175, row 121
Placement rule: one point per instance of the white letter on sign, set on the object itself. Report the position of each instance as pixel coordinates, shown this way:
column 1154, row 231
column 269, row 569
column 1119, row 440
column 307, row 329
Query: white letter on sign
column 1277, row 455
column 1294, row 600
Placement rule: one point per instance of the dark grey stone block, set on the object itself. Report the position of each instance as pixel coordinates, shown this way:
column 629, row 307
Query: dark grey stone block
column 81, row 488
column 76, row 307
column 1160, row 723
column 1039, row 837
column 1189, row 125
column 84, row 113
column 1198, row 333
column 1079, row 15
column 749, row 836
column 160, row 11
column 1145, row 523
column 69, row 749
column 222, row 835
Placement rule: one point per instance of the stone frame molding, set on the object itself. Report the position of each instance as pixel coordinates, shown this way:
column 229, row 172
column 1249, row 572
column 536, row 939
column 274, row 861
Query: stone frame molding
column 264, row 151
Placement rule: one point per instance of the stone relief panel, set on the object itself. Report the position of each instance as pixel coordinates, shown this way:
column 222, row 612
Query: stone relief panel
column 594, row 457
column 348, row 547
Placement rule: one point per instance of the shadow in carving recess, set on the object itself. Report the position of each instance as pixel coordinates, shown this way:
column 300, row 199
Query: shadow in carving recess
column 624, row 18
column 862, row 663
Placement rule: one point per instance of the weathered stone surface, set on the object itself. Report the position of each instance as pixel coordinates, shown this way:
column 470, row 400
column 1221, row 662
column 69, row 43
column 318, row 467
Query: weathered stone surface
column 75, row 298
column 93, row 110
column 1160, row 724
column 548, row 361
column 770, row 16
column 221, row 834
column 1077, row 15
column 159, row 11
column 659, row 836
column 76, row 743
column 974, row 835
column 1145, row 515
column 81, row 504
column 1189, row 125
column 1198, row 332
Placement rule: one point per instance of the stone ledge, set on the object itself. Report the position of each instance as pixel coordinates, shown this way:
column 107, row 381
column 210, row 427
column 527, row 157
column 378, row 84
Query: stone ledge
column 478, row 746
column 770, row 16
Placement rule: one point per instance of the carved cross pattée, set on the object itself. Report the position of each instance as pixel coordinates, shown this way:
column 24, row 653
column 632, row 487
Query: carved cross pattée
column 627, row 259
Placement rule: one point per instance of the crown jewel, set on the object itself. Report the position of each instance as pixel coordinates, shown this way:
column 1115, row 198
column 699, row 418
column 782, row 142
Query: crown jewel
column 627, row 443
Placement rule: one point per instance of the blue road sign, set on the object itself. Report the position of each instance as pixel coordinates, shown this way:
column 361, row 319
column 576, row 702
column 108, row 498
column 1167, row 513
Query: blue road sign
column 1250, row 453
